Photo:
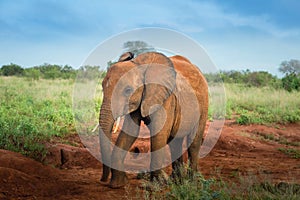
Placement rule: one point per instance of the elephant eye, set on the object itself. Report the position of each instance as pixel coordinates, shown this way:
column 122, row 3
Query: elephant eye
column 127, row 91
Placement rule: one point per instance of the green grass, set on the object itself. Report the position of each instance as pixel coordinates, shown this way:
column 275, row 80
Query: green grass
column 271, row 137
column 198, row 187
column 31, row 112
column 262, row 105
column 293, row 153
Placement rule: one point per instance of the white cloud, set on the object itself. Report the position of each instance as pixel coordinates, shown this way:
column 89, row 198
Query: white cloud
column 209, row 15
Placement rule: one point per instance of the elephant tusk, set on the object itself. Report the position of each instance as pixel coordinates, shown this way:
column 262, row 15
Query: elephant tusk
column 117, row 125
column 94, row 129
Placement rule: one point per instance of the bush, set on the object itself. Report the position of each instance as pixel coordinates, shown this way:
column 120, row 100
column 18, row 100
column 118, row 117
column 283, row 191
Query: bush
column 12, row 70
column 291, row 82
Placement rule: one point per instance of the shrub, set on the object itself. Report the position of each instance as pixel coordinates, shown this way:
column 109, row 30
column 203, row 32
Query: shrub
column 291, row 82
column 187, row 186
column 11, row 70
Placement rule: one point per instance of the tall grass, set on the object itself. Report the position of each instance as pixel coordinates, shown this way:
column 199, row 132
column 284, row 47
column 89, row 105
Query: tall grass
column 262, row 105
column 31, row 112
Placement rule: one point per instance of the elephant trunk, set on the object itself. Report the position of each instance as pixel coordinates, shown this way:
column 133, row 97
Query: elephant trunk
column 106, row 123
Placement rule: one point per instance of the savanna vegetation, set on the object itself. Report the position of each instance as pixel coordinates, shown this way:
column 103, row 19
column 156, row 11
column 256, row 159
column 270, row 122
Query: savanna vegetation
column 34, row 112
column 36, row 106
column 36, row 102
column 195, row 186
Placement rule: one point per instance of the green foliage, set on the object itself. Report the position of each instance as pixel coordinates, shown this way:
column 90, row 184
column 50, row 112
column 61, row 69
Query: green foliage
column 250, row 187
column 45, row 71
column 291, row 82
column 11, row 70
column 33, row 112
column 250, row 79
column 48, row 71
column 32, row 74
column 67, row 72
column 293, row 153
column 261, row 105
column 195, row 186
column 187, row 186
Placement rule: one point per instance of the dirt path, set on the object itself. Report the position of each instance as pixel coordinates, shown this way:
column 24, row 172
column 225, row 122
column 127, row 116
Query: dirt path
column 72, row 173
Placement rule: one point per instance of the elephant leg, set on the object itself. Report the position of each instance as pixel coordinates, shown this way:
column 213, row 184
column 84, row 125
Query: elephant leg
column 176, row 155
column 158, row 142
column 106, row 159
column 193, row 152
column 159, row 136
column 194, row 143
column 127, row 137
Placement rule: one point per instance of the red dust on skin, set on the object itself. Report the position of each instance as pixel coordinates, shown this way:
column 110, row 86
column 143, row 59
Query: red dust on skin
column 72, row 173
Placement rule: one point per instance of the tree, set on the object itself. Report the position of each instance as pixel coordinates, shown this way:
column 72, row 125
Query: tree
column 291, row 69
column 291, row 82
column 12, row 70
column 137, row 47
column 68, row 72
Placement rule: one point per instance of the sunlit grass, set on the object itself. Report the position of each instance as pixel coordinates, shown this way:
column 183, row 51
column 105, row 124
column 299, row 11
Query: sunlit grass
column 262, row 105
column 31, row 112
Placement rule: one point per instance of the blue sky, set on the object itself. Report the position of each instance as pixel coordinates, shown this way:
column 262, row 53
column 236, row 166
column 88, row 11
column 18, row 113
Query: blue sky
column 255, row 35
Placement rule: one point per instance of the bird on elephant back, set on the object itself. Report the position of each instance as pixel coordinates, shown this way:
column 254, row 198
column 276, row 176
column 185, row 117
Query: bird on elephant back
column 169, row 94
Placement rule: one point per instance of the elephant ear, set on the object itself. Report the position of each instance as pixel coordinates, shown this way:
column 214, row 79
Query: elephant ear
column 159, row 80
column 126, row 56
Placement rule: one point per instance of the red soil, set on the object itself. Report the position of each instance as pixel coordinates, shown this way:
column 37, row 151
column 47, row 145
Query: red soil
column 72, row 173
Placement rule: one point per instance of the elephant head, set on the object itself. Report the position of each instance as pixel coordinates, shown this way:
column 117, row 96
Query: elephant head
column 143, row 82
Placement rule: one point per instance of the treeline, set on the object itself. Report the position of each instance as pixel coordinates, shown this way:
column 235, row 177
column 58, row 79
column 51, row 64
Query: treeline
column 49, row 71
column 290, row 69
column 248, row 78
column 290, row 81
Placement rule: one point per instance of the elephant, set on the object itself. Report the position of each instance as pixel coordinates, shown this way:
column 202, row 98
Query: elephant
column 169, row 94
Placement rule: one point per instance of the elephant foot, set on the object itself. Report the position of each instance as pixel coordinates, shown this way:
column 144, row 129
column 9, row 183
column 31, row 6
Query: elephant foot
column 118, row 179
column 104, row 179
column 118, row 182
